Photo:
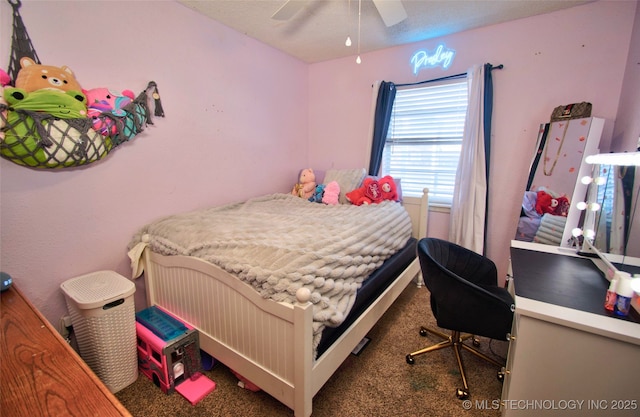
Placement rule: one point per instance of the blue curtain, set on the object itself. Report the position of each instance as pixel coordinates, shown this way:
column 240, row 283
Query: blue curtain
column 488, row 111
column 384, row 105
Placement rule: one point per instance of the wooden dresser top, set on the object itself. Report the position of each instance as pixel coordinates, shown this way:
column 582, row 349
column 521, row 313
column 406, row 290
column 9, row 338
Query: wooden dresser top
column 41, row 374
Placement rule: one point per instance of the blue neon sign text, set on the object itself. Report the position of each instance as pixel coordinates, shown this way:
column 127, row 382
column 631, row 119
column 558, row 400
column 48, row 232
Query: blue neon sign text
column 442, row 56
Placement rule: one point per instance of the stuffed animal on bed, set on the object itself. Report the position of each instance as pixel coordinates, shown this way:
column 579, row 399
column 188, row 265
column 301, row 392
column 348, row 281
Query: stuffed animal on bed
column 306, row 185
column 33, row 77
column 368, row 193
column 374, row 191
column 331, row 193
column 103, row 100
column 318, row 193
column 388, row 188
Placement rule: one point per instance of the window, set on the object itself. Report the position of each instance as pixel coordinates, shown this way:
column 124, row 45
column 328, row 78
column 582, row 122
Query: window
column 425, row 137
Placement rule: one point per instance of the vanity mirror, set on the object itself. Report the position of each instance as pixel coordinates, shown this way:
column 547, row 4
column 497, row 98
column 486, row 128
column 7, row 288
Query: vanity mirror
column 549, row 206
column 615, row 189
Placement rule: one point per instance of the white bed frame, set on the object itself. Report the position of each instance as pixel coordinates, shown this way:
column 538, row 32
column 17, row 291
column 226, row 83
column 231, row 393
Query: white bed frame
column 267, row 342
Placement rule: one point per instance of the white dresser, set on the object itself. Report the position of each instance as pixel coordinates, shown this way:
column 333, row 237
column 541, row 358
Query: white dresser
column 567, row 355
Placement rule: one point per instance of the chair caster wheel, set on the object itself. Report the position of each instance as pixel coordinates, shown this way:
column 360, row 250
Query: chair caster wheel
column 475, row 342
column 410, row 359
column 500, row 376
column 423, row 332
column 462, row 393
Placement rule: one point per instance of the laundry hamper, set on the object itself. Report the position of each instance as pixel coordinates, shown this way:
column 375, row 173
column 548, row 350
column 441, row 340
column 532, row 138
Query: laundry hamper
column 102, row 313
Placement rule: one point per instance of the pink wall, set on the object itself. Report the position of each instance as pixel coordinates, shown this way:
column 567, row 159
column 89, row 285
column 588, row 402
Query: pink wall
column 578, row 54
column 235, row 127
column 243, row 118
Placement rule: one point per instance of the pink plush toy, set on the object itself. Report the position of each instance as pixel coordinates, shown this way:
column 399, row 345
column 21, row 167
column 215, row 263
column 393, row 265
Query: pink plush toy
column 306, row 185
column 5, row 80
column 103, row 100
column 388, row 188
column 331, row 193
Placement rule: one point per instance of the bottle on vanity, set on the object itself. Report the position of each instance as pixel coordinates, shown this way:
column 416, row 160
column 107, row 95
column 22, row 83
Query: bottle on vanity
column 610, row 299
column 624, row 293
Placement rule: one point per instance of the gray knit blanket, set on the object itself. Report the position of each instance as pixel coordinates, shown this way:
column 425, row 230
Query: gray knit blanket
column 279, row 243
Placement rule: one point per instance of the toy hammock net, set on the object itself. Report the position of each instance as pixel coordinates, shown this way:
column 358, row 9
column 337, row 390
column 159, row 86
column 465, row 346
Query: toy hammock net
column 37, row 139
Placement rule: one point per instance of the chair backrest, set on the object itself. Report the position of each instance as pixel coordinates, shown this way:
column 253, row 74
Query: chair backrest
column 438, row 257
column 464, row 290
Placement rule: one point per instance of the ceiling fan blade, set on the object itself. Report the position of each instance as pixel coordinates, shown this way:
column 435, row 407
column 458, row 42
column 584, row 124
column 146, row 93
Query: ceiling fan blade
column 289, row 9
column 391, row 11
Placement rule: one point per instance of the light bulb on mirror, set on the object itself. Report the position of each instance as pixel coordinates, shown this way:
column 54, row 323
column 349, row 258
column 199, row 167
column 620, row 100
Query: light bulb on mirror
column 589, row 234
column 600, row 180
column 581, row 205
column 617, row 158
column 576, row 232
column 586, row 180
column 594, row 206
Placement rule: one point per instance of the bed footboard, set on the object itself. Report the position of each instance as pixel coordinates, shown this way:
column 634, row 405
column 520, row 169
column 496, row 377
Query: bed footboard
column 269, row 343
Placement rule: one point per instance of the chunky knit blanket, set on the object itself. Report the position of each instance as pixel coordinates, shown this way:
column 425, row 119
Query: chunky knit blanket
column 279, row 243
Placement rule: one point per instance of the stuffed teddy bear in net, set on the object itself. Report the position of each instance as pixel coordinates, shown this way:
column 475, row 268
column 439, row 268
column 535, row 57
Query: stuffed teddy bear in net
column 103, row 100
column 33, row 77
column 306, row 185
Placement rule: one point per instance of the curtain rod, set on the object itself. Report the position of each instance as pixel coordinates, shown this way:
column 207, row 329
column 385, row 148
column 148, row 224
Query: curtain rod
column 448, row 77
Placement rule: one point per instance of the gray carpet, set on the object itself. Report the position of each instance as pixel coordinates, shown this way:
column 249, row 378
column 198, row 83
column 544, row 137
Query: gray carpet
column 378, row 382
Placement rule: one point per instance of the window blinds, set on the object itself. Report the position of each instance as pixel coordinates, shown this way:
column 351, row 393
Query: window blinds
column 424, row 139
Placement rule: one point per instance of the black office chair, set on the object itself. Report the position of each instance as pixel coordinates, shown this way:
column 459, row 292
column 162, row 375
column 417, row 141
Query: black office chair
column 465, row 298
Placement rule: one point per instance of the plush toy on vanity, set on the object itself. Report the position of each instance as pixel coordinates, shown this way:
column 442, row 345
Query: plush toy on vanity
column 306, row 186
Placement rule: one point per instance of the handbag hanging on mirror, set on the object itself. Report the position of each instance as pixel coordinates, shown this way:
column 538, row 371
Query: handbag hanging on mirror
column 571, row 111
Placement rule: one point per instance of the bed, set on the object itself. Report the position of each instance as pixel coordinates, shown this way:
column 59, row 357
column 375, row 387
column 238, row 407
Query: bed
column 288, row 336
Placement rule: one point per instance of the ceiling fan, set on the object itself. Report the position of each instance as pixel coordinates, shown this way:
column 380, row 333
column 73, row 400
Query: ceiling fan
column 391, row 11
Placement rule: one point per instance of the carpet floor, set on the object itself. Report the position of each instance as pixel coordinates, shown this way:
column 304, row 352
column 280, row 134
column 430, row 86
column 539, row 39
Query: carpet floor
column 376, row 383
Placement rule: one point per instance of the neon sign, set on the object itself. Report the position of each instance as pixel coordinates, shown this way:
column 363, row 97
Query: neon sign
column 442, row 56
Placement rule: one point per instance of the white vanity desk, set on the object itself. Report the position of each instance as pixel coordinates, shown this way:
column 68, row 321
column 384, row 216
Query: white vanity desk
column 567, row 355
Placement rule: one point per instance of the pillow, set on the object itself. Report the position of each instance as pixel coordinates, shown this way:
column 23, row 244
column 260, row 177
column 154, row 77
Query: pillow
column 529, row 205
column 348, row 179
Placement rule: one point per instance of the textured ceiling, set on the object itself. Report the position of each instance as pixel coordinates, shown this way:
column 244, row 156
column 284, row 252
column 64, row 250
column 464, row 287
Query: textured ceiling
column 318, row 32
